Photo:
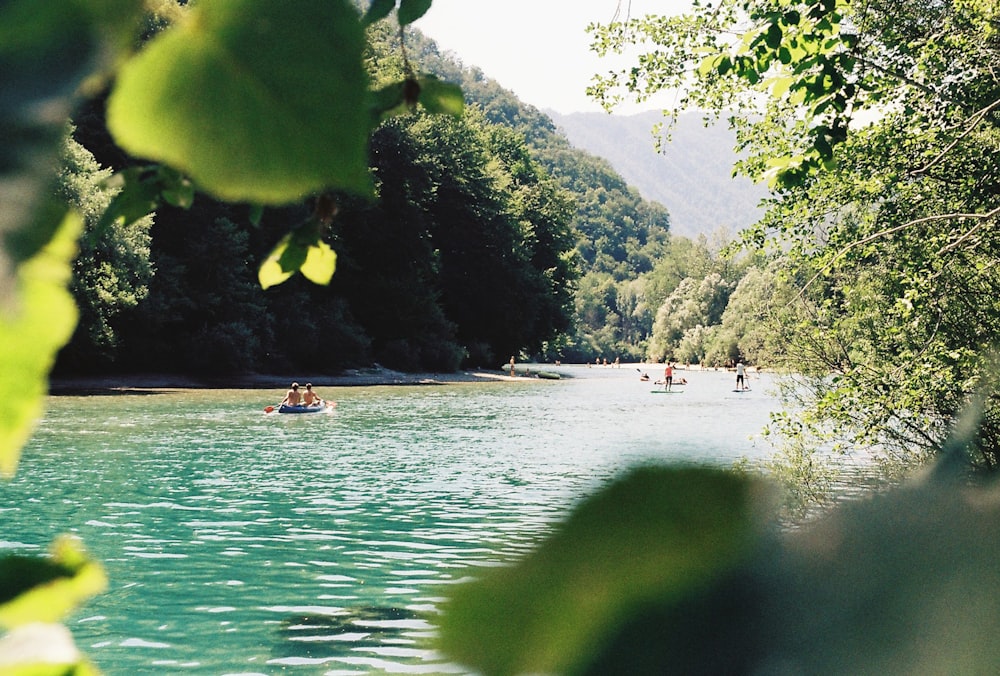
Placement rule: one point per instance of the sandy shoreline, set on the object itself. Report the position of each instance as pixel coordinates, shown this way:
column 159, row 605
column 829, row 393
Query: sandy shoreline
column 130, row 383
column 370, row 376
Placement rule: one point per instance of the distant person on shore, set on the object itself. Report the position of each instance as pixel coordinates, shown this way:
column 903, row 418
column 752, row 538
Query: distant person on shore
column 310, row 398
column 293, row 397
column 740, row 372
column 668, row 375
column 512, row 366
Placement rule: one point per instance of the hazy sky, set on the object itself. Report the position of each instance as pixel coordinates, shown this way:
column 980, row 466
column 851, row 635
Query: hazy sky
column 539, row 49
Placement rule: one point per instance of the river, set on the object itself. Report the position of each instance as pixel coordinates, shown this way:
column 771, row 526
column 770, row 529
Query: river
column 243, row 543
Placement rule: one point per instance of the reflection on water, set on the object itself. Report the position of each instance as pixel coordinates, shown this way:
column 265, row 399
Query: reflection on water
column 239, row 542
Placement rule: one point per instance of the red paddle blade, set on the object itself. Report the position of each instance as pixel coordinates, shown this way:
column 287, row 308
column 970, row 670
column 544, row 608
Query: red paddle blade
column 268, row 409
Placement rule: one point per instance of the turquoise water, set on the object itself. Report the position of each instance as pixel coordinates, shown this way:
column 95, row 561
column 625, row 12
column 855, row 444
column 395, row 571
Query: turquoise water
column 243, row 543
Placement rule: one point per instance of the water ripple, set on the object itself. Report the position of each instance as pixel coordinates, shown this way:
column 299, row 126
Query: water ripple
column 239, row 543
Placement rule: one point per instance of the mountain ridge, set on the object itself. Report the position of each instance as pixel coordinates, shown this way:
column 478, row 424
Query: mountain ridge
column 691, row 176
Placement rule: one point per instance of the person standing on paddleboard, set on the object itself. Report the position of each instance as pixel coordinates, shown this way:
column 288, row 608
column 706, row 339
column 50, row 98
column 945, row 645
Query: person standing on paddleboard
column 740, row 372
column 668, row 376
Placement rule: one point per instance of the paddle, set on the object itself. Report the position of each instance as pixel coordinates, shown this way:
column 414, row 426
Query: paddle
column 268, row 409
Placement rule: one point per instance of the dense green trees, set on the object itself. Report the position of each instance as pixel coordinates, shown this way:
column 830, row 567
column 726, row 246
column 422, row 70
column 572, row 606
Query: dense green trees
column 464, row 257
column 466, row 216
column 879, row 132
column 112, row 270
column 470, row 254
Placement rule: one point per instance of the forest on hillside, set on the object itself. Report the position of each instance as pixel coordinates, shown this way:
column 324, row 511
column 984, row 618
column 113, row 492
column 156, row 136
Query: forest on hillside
column 491, row 236
column 686, row 166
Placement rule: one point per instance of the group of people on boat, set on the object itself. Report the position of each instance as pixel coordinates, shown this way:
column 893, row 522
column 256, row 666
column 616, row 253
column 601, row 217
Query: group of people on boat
column 307, row 398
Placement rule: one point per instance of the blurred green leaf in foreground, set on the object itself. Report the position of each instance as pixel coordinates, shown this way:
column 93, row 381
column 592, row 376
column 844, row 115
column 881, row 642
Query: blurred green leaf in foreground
column 669, row 571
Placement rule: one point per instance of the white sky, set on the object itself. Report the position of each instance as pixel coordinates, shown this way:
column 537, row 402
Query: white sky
column 538, row 49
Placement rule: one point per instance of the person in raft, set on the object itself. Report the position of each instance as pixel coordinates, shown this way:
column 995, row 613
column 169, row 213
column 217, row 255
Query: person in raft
column 668, row 376
column 310, row 398
column 740, row 372
column 293, row 397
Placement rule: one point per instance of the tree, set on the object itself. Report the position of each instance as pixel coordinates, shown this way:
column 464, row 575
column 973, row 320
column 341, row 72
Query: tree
column 756, row 321
column 876, row 125
column 694, row 303
column 111, row 272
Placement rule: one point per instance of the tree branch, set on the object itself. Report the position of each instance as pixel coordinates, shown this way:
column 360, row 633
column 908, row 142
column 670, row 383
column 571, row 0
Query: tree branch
column 889, row 231
column 971, row 125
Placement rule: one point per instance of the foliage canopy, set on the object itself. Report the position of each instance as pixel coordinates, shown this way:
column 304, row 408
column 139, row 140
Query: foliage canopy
column 876, row 125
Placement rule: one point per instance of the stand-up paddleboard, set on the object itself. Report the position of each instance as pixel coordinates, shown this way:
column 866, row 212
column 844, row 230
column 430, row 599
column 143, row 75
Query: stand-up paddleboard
column 746, row 390
column 667, row 391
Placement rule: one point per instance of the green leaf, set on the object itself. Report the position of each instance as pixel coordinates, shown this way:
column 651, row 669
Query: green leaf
column 256, row 214
column 301, row 250
column 32, row 330
column 377, row 10
column 709, row 64
column 436, row 96
column 47, row 589
column 141, row 191
column 137, row 198
column 657, row 534
column 441, row 97
column 175, row 188
column 278, row 265
column 320, row 264
column 388, row 101
column 46, row 51
column 774, row 35
column 411, row 10
column 254, row 100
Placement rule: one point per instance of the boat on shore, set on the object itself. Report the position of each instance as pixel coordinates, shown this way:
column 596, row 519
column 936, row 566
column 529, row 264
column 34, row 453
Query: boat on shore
column 529, row 371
